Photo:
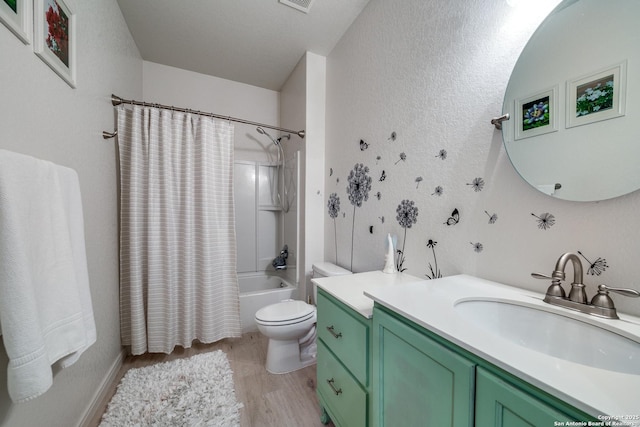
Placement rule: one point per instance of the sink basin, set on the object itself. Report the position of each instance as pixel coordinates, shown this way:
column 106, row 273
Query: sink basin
column 554, row 334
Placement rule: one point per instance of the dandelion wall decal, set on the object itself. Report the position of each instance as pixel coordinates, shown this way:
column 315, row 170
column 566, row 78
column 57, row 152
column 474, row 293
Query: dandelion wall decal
column 371, row 229
column 418, row 181
column 330, row 171
column 359, row 185
column 442, row 154
column 597, row 267
column 477, row 184
column 393, row 136
column 383, row 176
column 337, row 180
column 407, row 215
column 477, row 247
column 358, row 191
column 545, row 220
column 402, row 158
column 381, row 219
column 334, row 207
column 379, row 195
column 363, row 145
column 378, row 158
column 438, row 191
column 435, row 273
column 492, row 218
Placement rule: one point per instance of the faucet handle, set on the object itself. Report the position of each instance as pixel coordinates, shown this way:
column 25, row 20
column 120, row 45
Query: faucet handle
column 602, row 298
column 622, row 291
column 555, row 290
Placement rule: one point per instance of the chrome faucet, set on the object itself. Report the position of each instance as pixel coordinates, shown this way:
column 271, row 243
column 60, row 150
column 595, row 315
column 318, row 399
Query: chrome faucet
column 280, row 262
column 601, row 304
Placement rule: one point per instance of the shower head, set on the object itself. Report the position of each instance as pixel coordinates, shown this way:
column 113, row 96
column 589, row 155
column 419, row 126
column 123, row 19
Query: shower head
column 264, row 132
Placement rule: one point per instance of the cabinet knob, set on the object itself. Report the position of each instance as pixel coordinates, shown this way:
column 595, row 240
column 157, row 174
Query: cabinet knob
column 336, row 391
column 333, row 332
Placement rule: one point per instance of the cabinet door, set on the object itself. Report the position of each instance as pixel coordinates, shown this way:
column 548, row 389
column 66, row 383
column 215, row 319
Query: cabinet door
column 500, row 404
column 416, row 381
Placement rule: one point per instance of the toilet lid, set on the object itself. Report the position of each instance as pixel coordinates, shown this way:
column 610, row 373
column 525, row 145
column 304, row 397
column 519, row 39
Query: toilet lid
column 285, row 311
column 328, row 269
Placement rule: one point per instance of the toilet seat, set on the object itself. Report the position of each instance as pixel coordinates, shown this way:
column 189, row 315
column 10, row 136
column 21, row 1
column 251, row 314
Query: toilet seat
column 285, row 313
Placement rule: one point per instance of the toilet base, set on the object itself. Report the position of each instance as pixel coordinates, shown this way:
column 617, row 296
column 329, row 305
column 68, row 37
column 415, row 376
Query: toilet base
column 283, row 356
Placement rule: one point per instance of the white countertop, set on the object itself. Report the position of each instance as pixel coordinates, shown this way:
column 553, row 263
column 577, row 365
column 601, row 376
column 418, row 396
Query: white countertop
column 430, row 304
column 350, row 288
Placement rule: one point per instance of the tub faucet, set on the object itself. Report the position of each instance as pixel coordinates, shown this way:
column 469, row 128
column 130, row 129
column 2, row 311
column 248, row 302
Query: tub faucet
column 280, row 262
column 601, row 305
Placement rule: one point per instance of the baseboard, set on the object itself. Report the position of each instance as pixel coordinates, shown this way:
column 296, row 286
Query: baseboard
column 101, row 393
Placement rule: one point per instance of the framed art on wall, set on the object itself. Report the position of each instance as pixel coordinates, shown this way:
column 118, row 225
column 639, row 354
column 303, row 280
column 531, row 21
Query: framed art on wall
column 597, row 96
column 54, row 34
column 17, row 16
column 537, row 114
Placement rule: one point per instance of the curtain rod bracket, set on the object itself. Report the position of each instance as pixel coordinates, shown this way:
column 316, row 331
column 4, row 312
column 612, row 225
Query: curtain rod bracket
column 109, row 135
column 115, row 100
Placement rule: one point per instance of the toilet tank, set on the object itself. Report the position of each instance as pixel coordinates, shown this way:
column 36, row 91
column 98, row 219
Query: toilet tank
column 326, row 269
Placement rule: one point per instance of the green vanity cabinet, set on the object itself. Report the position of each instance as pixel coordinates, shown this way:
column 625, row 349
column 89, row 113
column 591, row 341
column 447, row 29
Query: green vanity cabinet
column 498, row 403
column 416, row 381
column 422, row 379
column 344, row 367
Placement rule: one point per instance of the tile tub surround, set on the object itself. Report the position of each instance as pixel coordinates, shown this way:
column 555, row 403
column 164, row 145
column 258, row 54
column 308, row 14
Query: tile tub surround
column 430, row 304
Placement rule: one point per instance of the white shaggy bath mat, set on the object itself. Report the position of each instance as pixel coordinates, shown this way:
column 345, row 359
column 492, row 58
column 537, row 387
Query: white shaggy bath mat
column 197, row 391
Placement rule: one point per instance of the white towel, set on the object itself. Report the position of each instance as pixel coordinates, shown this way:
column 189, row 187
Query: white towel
column 46, row 313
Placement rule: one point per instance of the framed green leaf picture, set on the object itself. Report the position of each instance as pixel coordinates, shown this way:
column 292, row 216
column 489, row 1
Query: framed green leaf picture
column 17, row 16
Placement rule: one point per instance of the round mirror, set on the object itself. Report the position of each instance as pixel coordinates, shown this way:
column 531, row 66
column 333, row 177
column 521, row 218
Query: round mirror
column 574, row 102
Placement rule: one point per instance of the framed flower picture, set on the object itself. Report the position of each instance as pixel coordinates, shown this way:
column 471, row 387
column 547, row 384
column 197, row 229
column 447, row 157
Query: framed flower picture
column 537, row 114
column 17, row 15
column 597, row 96
column 55, row 37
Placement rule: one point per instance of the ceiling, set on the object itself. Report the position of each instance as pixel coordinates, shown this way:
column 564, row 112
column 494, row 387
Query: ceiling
column 258, row 42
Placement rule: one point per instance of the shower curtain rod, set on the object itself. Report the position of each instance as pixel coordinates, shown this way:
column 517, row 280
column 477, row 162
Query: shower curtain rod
column 116, row 100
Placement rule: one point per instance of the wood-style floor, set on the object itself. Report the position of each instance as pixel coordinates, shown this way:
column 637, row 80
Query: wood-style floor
column 269, row 400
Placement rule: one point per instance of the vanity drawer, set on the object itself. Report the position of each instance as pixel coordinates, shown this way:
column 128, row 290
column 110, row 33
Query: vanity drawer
column 345, row 335
column 344, row 397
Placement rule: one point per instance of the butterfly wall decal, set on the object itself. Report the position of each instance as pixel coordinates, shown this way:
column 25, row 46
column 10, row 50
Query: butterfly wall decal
column 454, row 218
column 363, row 145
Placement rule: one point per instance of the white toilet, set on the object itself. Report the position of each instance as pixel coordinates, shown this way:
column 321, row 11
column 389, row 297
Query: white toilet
column 290, row 327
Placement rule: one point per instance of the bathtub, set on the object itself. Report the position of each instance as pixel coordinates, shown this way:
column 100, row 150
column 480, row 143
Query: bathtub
column 258, row 290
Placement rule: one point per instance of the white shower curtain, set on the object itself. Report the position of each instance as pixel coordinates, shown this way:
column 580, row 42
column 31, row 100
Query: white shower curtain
column 178, row 279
